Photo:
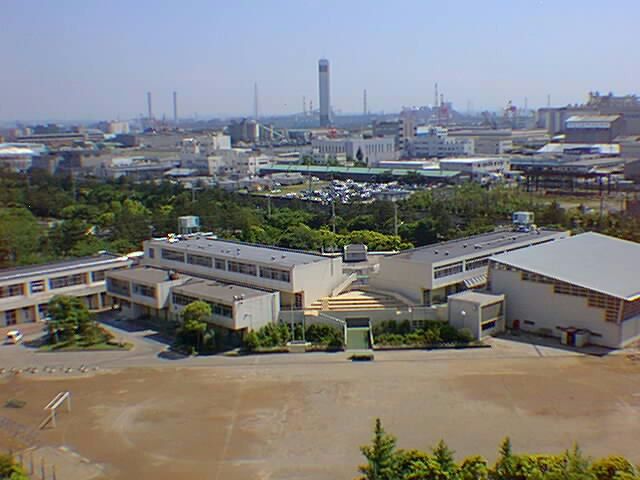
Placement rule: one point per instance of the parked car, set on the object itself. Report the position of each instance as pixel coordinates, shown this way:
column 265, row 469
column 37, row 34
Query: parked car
column 14, row 337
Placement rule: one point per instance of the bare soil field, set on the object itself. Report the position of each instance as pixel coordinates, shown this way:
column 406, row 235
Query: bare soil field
column 294, row 420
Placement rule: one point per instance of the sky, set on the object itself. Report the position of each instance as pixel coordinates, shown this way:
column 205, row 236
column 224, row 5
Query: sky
column 91, row 60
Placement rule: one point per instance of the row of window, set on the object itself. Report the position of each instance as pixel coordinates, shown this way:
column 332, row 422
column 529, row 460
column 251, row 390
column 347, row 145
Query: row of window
column 216, row 308
column 119, row 287
column 38, row 286
column 447, row 270
column 229, row 265
column 144, row 290
column 11, row 290
column 67, row 281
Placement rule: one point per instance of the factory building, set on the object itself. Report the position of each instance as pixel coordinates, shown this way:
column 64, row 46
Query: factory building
column 477, row 168
column 369, row 150
column 434, row 142
column 25, row 291
column 428, row 275
column 583, row 289
column 593, row 128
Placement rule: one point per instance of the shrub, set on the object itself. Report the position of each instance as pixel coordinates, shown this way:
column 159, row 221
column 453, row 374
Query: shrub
column 432, row 336
column 465, row 335
column 610, row 468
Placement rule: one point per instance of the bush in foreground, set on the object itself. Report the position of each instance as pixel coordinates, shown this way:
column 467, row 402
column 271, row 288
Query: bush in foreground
column 386, row 462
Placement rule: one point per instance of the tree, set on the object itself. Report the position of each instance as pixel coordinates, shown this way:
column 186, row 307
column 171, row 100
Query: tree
column 68, row 317
column 194, row 324
column 19, row 232
column 444, row 458
column 474, row 468
column 10, row 470
column 610, row 468
column 504, row 467
column 380, row 455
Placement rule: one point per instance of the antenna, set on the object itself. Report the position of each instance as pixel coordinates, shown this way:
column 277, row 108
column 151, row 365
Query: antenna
column 255, row 101
column 435, row 101
column 304, row 106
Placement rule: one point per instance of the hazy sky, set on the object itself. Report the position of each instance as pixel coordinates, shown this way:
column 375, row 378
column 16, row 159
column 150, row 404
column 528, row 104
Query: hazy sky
column 94, row 59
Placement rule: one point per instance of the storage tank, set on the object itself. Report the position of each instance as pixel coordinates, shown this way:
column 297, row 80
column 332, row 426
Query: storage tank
column 189, row 224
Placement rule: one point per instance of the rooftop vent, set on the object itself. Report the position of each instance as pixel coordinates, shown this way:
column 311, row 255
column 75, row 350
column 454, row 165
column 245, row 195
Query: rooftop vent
column 435, row 251
column 464, row 245
column 242, row 296
column 477, row 246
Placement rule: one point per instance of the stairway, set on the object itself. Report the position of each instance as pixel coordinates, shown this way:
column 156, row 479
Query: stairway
column 356, row 301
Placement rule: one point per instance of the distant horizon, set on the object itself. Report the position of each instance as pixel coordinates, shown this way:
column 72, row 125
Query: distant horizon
column 87, row 60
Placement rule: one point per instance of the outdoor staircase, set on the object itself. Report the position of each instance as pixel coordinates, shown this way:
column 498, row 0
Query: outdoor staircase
column 356, row 301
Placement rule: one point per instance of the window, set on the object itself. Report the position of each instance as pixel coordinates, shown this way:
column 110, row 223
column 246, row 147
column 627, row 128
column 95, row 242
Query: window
column 172, row 255
column 152, row 253
column 201, row 260
column 275, row 274
column 220, row 264
column 221, row 310
column 240, row 267
column 12, row 290
column 447, row 270
column 97, row 276
column 118, row 287
column 37, row 286
column 488, row 325
column 67, row 281
column 180, row 299
column 479, row 262
column 10, row 317
column 43, row 310
column 144, row 290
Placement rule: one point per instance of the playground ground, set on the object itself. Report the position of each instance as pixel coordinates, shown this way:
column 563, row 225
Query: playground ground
column 306, row 416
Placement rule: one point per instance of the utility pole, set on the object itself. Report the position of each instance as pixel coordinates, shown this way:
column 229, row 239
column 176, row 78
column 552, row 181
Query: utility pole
column 333, row 215
column 269, row 205
column 395, row 219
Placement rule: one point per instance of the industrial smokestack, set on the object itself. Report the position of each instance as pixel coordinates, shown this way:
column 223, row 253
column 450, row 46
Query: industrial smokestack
column 175, row 108
column 150, row 111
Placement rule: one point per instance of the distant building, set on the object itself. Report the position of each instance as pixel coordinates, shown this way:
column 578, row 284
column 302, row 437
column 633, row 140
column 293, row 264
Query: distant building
column 562, row 289
column 593, row 128
column 54, row 139
column 477, row 167
column 324, row 92
column 245, row 130
column 486, row 142
column 117, row 128
column 16, row 157
column 25, row 291
column 434, row 142
column 369, row 150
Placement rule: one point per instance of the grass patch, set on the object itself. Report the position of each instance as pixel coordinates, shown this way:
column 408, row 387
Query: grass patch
column 14, row 403
column 79, row 346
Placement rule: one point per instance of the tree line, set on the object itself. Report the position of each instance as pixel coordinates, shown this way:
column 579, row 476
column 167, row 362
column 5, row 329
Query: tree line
column 384, row 461
column 46, row 217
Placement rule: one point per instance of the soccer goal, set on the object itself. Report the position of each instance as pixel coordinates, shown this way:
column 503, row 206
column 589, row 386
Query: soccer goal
column 52, row 408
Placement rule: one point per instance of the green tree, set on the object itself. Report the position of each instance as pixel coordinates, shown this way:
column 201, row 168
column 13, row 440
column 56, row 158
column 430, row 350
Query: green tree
column 443, row 456
column 610, row 468
column 504, row 467
column 194, row 323
column 19, row 232
column 68, row 317
column 10, row 470
column 474, row 468
column 380, row 455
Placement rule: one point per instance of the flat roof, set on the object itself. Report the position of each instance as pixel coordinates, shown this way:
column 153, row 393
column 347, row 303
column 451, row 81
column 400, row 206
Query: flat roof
column 47, row 268
column 219, row 291
column 143, row 274
column 589, row 260
column 475, row 245
column 593, row 118
column 242, row 251
column 399, row 172
column 470, row 159
column 477, row 297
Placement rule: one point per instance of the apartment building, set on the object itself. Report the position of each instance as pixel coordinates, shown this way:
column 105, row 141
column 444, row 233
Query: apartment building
column 428, row 275
column 25, row 291
column 300, row 277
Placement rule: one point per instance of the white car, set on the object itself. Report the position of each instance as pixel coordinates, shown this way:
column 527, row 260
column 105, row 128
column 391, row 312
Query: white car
column 14, row 337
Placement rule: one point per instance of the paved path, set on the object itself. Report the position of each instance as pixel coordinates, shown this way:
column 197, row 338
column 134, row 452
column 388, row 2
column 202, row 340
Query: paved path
column 150, row 350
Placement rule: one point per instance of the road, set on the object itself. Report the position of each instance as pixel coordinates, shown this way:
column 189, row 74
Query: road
column 151, row 350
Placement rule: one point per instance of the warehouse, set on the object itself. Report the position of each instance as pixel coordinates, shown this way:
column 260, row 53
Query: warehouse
column 586, row 285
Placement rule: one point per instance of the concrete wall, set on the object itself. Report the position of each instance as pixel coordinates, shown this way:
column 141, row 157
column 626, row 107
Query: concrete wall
column 536, row 302
column 402, row 276
column 630, row 330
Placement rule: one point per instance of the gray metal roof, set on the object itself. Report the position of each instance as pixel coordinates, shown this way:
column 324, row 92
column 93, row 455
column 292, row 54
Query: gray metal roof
column 479, row 298
column 103, row 259
column 243, row 251
column 477, row 245
column 589, row 260
column 209, row 289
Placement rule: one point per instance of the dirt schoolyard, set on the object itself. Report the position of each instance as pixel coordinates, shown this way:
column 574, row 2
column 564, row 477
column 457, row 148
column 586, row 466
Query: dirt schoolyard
column 292, row 420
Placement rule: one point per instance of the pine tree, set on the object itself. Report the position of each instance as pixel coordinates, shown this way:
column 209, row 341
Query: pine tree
column 444, row 457
column 380, row 455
